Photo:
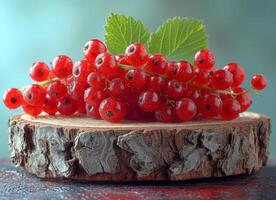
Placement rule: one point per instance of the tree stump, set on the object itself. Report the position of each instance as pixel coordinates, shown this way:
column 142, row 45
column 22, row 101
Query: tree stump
column 87, row 149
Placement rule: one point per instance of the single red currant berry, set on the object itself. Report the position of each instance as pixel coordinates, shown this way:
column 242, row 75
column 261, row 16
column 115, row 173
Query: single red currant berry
column 204, row 59
column 35, row 95
column 13, row 98
column 149, row 101
column 81, row 106
column 172, row 69
column 136, row 54
column 157, row 83
column 112, row 110
column 243, row 98
column 210, row 106
column 94, row 96
column 56, row 89
column 117, row 87
column 164, row 113
column 156, row 63
column 92, row 49
column 201, row 78
column 174, row 90
column 62, row 66
column 81, row 70
column 106, row 63
column 222, row 79
column 95, row 80
column 184, row 71
column 259, row 82
column 230, row 109
column 192, row 93
column 50, row 105
column 39, row 71
column 122, row 59
column 67, row 106
column 31, row 110
column 238, row 73
column 136, row 79
column 93, row 111
column 185, row 109
column 76, row 89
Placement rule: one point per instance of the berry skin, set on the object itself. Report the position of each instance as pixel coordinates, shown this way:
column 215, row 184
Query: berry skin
column 243, row 98
column 184, row 71
column 67, row 106
column 230, row 109
column 106, row 64
column 35, row 95
column 164, row 113
column 192, row 93
column 156, row 63
column 95, row 80
column 117, row 87
column 94, row 96
column 157, row 83
column 62, row 66
column 39, row 72
column 76, row 89
column 81, row 70
column 238, row 73
column 112, row 110
column 259, row 82
column 174, row 90
column 31, row 110
column 222, row 79
column 136, row 54
column 56, row 89
column 50, row 105
column 92, row 49
column 185, row 109
column 149, row 101
column 136, row 79
column 202, row 78
column 204, row 59
column 81, row 106
column 13, row 98
column 210, row 106
column 93, row 111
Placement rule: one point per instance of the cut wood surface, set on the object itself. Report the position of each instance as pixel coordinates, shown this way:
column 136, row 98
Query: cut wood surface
column 83, row 148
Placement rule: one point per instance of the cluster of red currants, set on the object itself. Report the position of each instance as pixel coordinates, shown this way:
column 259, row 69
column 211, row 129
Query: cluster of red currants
column 136, row 86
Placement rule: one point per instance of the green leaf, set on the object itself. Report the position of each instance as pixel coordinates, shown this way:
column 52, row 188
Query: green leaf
column 179, row 38
column 121, row 31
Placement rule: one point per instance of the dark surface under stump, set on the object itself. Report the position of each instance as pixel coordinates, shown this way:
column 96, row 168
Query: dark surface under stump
column 17, row 184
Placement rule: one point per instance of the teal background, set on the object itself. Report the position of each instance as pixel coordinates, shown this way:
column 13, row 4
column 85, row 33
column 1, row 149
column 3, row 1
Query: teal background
column 33, row 30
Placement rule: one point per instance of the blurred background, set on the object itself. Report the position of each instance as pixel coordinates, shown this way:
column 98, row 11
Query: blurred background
column 33, row 30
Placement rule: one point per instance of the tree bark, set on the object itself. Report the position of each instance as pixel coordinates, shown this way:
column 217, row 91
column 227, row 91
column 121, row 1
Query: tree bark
column 83, row 148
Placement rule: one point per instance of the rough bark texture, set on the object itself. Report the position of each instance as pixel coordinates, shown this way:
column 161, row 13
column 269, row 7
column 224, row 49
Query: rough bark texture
column 81, row 148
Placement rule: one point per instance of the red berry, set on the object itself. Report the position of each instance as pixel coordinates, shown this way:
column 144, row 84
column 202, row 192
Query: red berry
column 204, row 59
column 50, row 105
column 156, row 63
column 93, row 111
column 56, row 89
column 192, row 93
column 94, row 96
column 13, row 98
column 117, row 87
column 76, row 89
column 113, row 110
column 243, row 98
column 136, row 79
column 210, row 106
column 172, row 69
column 174, row 90
column 92, row 49
column 81, row 106
column 202, row 78
column 259, row 82
column 62, row 66
column 149, row 101
column 238, row 73
column 31, row 110
column 106, row 64
column 39, row 72
column 164, row 113
column 95, row 80
column 67, row 105
column 81, row 70
column 184, row 71
column 230, row 109
column 157, row 83
column 222, row 79
column 136, row 54
column 185, row 109
column 35, row 95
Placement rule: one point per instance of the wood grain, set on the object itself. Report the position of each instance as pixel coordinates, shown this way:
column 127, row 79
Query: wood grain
column 82, row 148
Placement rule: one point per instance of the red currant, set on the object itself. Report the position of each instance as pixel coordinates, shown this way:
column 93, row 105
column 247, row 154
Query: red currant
column 31, row 110
column 243, row 98
column 106, row 64
column 13, row 98
column 93, row 111
column 50, row 105
column 210, row 106
column 230, row 109
column 185, row 109
column 93, row 48
column 192, row 93
column 81, row 70
column 222, row 79
column 136, row 79
column 67, row 105
column 174, row 90
column 157, row 83
column 117, row 87
column 172, row 69
column 81, row 106
column 35, row 95
column 238, row 73
column 202, row 78
column 113, row 110
column 156, row 63
column 149, row 101
column 76, row 89
column 204, row 59
column 164, row 113
column 184, row 71
column 94, row 96
column 56, row 89
column 259, row 82
column 95, row 80
column 136, row 54
column 39, row 72
column 62, row 66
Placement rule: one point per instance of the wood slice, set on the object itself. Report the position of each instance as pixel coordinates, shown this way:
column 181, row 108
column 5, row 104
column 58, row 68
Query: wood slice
column 83, row 148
